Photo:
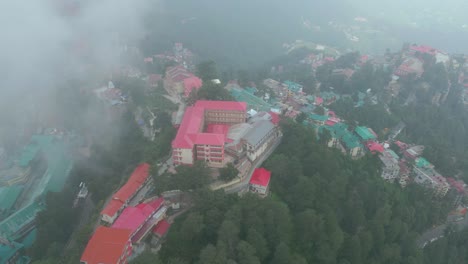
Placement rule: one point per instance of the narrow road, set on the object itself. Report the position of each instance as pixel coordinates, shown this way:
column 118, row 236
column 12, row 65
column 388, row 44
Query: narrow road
column 243, row 185
column 439, row 231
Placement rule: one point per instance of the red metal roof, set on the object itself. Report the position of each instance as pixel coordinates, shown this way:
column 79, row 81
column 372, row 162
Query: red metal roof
column 138, row 177
column 112, row 208
column 161, row 228
column 190, row 130
column 106, row 246
column 140, row 174
column 374, row 147
column 133, row 217
column 222, row 105
column 275, row 118
column 190, row 83
column 261, row 176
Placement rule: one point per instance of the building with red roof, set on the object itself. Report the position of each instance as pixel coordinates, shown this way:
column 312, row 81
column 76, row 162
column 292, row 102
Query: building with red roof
column 191, row 83
column 141, row 218
column 108, row 246
column 179, row 79
column 202, row 132
column 160, row 230
column 374, row 147
column 410, row 66
column 121, row 198
column 260, row 181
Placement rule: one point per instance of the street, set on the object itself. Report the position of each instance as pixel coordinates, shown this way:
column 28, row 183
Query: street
column 439, row 231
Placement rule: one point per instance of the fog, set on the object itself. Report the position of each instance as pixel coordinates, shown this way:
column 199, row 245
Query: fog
column 44, row 43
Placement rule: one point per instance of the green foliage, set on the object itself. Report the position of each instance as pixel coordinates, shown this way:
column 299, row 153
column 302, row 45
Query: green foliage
column 228, row 173
column 207, row 71
column 448, row 250
column 300, row 118
column 327, row 209
column 212, row 91
column 187, row 178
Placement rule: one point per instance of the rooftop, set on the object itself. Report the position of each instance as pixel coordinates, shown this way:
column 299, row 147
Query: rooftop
column 8, row 196
column 161, row 228
column 422, row 162
column 261, row 176
column 133, row 217
column 10, row 227
column 192, row 124
column 365, row 133
column 252, row 101
column 106, row 246
column 7, row 251
column 259, row 130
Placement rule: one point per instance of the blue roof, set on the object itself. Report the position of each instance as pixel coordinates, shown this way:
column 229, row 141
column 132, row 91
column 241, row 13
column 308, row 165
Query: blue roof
column 8, row 251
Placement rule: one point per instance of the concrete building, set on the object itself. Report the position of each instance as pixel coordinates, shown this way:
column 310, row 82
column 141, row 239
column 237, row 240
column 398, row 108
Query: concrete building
column 259, row 138
column 203, row 132
column 260, row 181
column 390, row 168
column 141, row 218
column 123, row 196
column 429, row 177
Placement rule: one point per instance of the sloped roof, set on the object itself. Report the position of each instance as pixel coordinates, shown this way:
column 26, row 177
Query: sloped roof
column 106, row 246
column 161, row 228
column 364, row 133
column 261, row 176
column 259, row 130
column 112, row 208
column 8, row 196
column 222, row 105
column 190, row 130
column 140, row 174
column 133, row 217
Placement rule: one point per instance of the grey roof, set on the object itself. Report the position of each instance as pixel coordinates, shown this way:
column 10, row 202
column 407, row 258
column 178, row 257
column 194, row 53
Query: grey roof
column 258, row 131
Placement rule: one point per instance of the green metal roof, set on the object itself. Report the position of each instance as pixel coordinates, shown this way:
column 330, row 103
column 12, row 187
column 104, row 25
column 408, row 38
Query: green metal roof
column 393, row 154
column 251, row 90
column 293, row 87
column 30, row 151
column 422, row 162
column 29, row 239
column 364, row 133
column 318, row 117
column 351, row 141
column 10, row 227
column 8, row 196
column 8, row 251
column 252, row 101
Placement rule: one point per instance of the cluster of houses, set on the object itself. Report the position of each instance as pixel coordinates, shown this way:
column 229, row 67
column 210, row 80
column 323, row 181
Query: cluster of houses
column 126, row 222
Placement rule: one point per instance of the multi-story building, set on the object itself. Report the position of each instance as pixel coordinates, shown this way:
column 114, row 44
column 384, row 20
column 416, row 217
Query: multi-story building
column 203, row 132
column 259, row 181
column 429, row 177
column 390, row 168
column 259, row 138
column 122, row 197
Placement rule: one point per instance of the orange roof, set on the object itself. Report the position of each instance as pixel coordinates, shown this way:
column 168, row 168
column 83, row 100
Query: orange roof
column 106, row 246
column 138, row 177
column 141, row 173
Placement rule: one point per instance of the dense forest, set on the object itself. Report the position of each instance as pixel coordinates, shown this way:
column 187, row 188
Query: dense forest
column 324, row 208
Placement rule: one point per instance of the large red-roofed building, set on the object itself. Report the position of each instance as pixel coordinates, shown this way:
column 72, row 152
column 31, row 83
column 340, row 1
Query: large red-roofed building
column 260, row 180
column 121, row 198
column 202, row 132
column 108, row 246
column 136, row 218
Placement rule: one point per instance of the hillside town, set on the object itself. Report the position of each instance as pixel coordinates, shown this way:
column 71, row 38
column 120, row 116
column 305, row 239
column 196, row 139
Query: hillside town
column 242, row 132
